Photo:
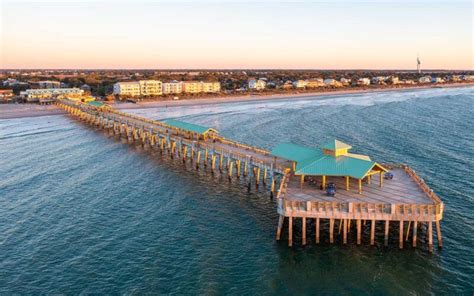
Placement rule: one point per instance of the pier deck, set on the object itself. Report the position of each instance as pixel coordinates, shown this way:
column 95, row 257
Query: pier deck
column 402, row 189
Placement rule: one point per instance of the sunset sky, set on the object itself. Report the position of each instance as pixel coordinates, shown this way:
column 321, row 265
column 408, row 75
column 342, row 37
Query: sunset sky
column 165, row 34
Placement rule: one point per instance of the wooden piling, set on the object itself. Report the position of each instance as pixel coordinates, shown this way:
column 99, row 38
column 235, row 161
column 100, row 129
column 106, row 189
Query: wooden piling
column 387, row 226
column 430, row 236
column 372, row 232
column 281, row 220
column 290, row 231
column 400, row 238
column 438, row 234
column 317, row 230
column 331, row 230
column 415, row 229
column 303, row 229
column 344, row 232
column 359, row 227
column 408, row 231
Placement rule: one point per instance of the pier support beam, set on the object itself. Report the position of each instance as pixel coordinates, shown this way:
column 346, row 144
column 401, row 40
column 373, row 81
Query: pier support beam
column 317, row 230
column 415, row 229
column 438, row 233
column 400, row 237
column 359, row 228
column 303, row 229
column 331, row 230
column 372, row 232
column 281, row 220
column 387, row 226
column 430, row 236
column 290, row 231
column 344, row 232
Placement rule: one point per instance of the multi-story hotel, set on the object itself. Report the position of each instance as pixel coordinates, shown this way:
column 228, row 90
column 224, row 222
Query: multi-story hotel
column 150, row 87
column 49, row 84
column 200, row 86
column 32, row 95
column 173, row 87
column 138, row 88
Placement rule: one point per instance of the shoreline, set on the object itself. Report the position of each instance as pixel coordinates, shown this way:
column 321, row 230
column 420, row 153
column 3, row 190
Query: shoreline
column 12, row 111
column 273, row 97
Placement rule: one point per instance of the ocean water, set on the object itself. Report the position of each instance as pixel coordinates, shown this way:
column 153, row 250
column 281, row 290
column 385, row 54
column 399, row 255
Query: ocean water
column 84, row 212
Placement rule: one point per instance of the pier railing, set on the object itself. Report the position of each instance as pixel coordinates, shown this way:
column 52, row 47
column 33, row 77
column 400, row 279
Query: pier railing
column 359, row 210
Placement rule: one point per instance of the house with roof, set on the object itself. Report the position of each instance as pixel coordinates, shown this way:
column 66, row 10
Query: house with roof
column 331, row 159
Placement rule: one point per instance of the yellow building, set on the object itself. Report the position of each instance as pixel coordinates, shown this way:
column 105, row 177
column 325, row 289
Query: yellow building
column 138, row 88
column 194, row 87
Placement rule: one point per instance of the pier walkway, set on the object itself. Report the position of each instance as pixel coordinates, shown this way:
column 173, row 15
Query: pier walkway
column 289, row 172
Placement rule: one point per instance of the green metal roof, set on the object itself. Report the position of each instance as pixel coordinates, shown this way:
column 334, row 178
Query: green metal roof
column 294, row 152
column 190, row 127
column 314, row 162
column 334, row 145
column 96, row 104
column 335, row 166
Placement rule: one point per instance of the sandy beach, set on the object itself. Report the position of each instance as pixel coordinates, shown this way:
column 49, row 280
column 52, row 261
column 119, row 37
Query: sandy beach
column 265, row 97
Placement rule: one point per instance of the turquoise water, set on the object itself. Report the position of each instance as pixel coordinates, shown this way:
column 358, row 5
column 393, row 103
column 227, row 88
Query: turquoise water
column 84, row 212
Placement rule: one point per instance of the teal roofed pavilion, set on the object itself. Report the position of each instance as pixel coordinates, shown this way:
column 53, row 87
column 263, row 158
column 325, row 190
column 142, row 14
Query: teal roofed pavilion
column 330, row 159
column 199, row 131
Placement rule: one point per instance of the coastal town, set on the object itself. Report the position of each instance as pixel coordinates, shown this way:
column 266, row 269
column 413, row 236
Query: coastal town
column 43, row 86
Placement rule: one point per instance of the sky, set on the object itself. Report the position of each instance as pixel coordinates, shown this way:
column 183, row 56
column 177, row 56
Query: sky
column 106, row 34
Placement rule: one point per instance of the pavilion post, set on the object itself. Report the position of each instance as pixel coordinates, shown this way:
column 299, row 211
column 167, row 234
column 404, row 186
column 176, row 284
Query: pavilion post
column 302, row 181
column 324, row 182
column 347, row 183
column 381, row 179
column 360, row 186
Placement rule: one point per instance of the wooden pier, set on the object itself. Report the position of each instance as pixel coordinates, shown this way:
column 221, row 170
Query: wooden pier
column 404, row 202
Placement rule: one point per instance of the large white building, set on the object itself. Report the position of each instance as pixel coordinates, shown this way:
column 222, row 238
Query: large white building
column 363, row 81
column 300, row 83
column 173, row 87
column 138, row 88
column 46, row 93
column 259, row 84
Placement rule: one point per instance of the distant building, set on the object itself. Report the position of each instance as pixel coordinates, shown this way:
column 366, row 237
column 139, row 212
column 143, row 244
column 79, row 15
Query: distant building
column 467, row 77
column 259, row 84
column 150, row 87
column 345, row 81
column 194, row 87
column 33, row 95
column 287, row 85
column 424, row 79
column 313, row 83
column 86, row 88
column 393, row 80
column 128, row 88
column 10, row 82
column 300, row 83
column 49, row 84
column 6, row 95
column 378, row 80
column 173, row 87
column 332, row 82
column 437, row 80
column 408, row 81
column 363, row 81
column 138, row 88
